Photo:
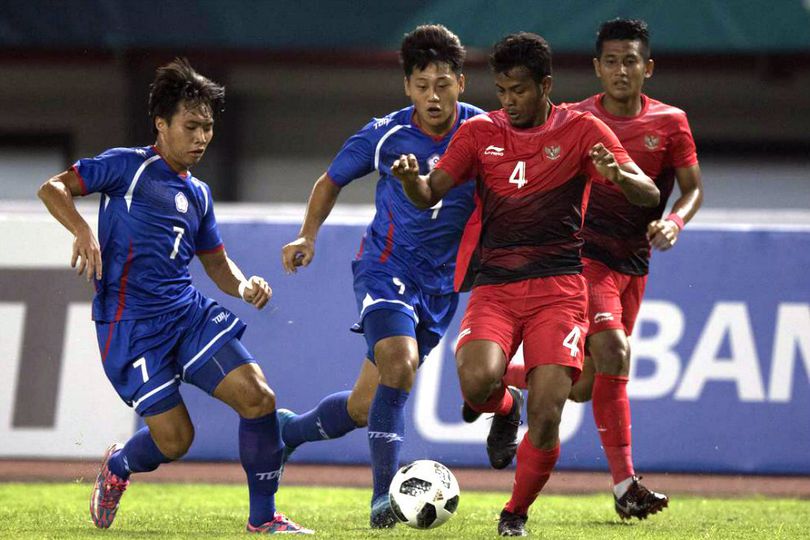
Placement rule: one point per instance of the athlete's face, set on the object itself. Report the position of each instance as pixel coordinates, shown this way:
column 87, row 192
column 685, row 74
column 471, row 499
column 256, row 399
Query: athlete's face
column 622, row 68
column 182, row 140
column 434, row 93
column 522, row 98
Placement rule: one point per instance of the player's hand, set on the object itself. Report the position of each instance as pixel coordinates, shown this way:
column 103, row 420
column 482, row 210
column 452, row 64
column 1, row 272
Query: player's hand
column 297, row 253
column 605, row 162
column 663, row 233
column 87, row 254
column 257, row 292
column 406, row 168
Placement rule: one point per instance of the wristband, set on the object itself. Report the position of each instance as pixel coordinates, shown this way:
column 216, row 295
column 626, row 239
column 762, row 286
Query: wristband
column 242, row 286
column 677, row 220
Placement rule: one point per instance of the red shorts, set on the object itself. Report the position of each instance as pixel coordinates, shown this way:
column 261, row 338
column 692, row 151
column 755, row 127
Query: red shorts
column 547, row 314
column 614, row 298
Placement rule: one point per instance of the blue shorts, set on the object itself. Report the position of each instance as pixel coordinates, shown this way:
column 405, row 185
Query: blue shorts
column 388, row 287
column 145, row 359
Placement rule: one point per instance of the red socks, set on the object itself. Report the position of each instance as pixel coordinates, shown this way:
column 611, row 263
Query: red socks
column 515, row 375
column 611, row 412
column 500, row 402
column 534, row 467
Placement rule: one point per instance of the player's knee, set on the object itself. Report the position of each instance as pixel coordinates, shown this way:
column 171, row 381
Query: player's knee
column 257, row 400
column 174, row 444
column 397, row 360
column 478, row 381
column 612, row 357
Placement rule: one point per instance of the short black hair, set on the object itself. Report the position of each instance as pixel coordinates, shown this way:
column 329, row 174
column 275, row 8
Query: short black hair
column 177, row 81
column 522, row 49
column 431, row 44
column 624, row 29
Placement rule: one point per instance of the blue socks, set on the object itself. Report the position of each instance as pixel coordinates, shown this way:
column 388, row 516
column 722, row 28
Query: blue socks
column 140, row 454
column 329, row 420
column 386, row 431
column 260, row 450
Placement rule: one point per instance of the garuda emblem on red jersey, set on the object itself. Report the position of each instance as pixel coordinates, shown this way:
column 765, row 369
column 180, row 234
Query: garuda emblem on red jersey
column 651, row 141
column 552, row 152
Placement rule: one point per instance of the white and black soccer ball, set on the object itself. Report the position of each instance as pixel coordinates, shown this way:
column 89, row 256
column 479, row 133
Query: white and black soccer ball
column 424, row 494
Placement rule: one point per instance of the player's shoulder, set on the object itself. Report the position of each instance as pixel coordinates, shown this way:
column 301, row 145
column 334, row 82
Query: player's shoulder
column 127, row 154
column 570, row 117
column 486, row 120
column 377, row 127
column 467, row 111
column 656, row 109
column 588, row 104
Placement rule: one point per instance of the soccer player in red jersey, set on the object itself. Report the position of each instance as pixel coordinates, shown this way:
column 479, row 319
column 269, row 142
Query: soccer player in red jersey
column 533, row 163
column 618, row 240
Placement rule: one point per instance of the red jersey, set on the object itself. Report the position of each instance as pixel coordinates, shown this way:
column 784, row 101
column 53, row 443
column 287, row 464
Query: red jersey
column 659, row 140
column 532, row 189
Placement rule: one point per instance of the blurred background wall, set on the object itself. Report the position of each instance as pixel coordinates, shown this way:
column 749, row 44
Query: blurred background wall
column 303, row 76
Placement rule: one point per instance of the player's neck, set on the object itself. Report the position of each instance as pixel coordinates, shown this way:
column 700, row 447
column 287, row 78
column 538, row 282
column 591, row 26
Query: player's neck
column 440, row 130
column 542, row 115
column 176, row 166
column 629, row 107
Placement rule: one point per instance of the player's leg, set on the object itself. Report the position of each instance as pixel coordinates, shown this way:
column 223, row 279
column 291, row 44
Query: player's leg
column 539, row 450
column 212, row 358
column 610, row 350
column 553, row 342
column 582, row 390
column 392, row 335
column 335, row 415
column 244, row 388
column 138, row 363
column 516, row 376
column 489, row 337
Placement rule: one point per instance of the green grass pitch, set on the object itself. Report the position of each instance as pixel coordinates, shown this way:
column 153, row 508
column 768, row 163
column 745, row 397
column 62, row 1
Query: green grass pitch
column 219, row 511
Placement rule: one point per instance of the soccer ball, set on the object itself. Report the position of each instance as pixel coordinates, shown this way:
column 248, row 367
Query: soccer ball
column 424, row 494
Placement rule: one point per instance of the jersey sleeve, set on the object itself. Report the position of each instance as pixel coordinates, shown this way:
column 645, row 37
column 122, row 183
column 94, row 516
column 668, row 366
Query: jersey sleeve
column 356, row 158
column 460, row 160
column 599, row 132
column 682, row 151
column 208, row 238
column 103, row 173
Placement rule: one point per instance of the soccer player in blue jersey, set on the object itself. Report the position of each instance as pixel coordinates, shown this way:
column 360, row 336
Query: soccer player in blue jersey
column 154, row 328
column 403, row 271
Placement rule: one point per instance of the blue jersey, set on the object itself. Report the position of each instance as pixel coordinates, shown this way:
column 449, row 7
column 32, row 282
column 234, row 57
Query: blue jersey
column 421, row 242
column 151, row 222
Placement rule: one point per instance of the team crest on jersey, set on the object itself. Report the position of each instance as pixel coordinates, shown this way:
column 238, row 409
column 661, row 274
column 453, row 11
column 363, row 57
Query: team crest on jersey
column 181, row 203
column 552, row 152
column 432, row 161
column 651, row 141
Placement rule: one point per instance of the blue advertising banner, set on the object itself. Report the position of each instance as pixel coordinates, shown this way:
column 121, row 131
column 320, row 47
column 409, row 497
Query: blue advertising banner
column 721, row 359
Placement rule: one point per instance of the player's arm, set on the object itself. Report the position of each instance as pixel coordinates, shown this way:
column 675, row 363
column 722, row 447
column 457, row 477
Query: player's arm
column 230, row 279
column 663, row 233
column 637, row 187
column 300, row 251
column 57, row 194
column 423, row 191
